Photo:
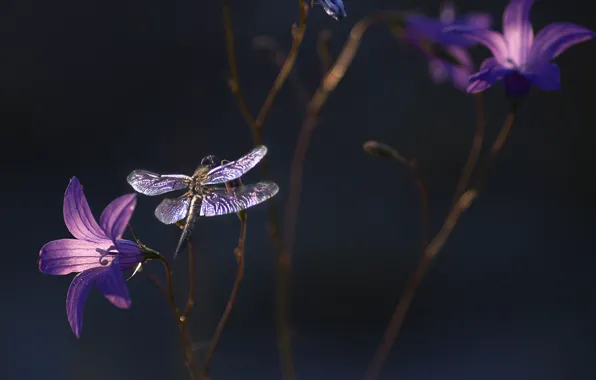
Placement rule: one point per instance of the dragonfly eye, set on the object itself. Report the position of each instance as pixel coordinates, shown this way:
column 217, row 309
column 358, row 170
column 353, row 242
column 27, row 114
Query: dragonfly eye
column 210, row 161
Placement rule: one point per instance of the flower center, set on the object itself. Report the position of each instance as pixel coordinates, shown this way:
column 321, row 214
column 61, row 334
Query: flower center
column 517, row 85
column 512, row 63
column 105, row 254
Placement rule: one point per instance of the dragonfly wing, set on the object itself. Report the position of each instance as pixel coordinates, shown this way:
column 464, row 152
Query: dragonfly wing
column 227, row 201
column 193, row 211
column 172, row 210
column 235, row 169
column 149, row 183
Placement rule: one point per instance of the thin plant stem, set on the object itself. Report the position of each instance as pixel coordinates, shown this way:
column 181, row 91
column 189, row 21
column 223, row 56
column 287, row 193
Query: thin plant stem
column 169, row 287
column 185, row 339
column 256, row 125
column 382, row 150
column 475, row 150
column 329, row 82
column 323, row 50
column 190, row 302
column 349, row 50
column 297, row 37
column 398, row 317
column 433, row 248
column 234, row 81
column 269, row 46
column 468, row 197
column 284, row 259
column 181, row 318
column 399, row 314
column 498, row 144
column 239, row 254
column 282, row 266
column 424, row 207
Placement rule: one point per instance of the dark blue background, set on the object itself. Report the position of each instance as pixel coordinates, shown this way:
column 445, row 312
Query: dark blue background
column 95, row 89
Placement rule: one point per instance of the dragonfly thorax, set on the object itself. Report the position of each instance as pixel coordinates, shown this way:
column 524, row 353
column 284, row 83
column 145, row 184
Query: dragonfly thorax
column 197, row 188
column 198, row 177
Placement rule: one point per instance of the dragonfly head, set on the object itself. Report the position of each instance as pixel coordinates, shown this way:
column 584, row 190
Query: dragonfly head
column 211, row 161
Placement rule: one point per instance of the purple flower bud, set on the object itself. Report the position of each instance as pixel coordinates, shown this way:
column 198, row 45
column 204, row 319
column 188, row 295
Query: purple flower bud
column 334, row 8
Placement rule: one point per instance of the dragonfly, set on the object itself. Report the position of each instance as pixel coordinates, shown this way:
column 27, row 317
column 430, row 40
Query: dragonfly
column 202, row 196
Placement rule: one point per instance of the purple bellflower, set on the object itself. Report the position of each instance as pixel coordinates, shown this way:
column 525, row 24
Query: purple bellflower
column 519, row 58
column 420, row 28
column 98, row 254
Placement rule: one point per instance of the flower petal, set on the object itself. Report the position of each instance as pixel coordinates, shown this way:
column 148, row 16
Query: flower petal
column 490, row 72
column 439, row 71
column 462, row 56
column 517, row 30
column 113, row 286
column 116, row 215
column 77, row 295
column 494, row 41
column 65, row 256
column 547, row 77
column 460, row 77
column 447, row 12
column 129, row 254
column 477, row 20
column 421, row 27
column 77, row 214
column 460, row 74
column 554, row 39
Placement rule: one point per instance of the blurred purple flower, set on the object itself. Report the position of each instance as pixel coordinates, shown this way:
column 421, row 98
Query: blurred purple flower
column 437, row 30
column 441, row 71
column 420, row 28
column 98, row 254
column 334, row 8
column 519, row 58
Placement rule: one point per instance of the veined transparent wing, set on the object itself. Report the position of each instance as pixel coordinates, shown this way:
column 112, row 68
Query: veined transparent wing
column 149, row 183
column 172, row 210
column 235, row 169
column 226, row 201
